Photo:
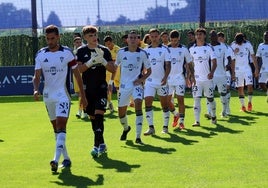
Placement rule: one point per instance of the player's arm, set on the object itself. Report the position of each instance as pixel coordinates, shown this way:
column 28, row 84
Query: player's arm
column 213, row 68
column 78, row 78
column 167, row 71
column 256, row 73
column 36, row 83
column 190, row 74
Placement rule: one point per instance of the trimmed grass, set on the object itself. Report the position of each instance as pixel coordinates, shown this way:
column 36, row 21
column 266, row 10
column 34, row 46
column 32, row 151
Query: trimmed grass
column 233, row 153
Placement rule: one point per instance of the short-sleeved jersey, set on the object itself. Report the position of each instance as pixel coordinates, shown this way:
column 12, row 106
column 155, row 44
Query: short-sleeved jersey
column 131, row 65
column 221, row 52
column 179, row 55
column 262, row 52
column 95, row 75
column 157, row 57
column 55, row 67
column 114, row 51
column 201, row 57
column 242, row 56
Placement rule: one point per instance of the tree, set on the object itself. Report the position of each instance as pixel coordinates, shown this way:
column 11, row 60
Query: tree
column 53, row 19
column 157, row 15
column 12, row 18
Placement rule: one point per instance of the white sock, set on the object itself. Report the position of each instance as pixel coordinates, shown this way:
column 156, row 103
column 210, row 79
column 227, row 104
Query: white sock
column 124, row 122
column 150, row 117
column 139, row 120
column 181, row 118
column 64, row 150
column 224, row 103
column 208, row 108
column 166, row 117
column 60, row 144
column 242, row 101
column 197, row 108
column 212, row 108
column 250, row 98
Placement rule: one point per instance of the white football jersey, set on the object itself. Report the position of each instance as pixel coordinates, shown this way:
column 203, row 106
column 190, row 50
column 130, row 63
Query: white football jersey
column 245, row 50
column 201, row 57
column 131, row 65
column 221, row 52
column 157, row 57
column 262, row 52
column 178, row 56
column 54, row 67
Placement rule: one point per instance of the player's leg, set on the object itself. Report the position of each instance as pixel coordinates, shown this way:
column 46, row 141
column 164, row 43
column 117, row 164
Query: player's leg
column 163, row 96
column 149, row 93
column 138, row 96
column 249, row 84
column 172, row 108
column 123, row 101
column 197, row 94
column 209, row 93
column 240, row 88
column 263, row 83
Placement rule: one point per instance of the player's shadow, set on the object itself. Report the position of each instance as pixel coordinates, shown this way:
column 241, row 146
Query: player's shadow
column 149, row 148
column 191, row 132
column 256, row 113
column 176, row 139
column 68, row 179
column 119, row 166
column 1, row 140
column 221, row 129
column 243, row 120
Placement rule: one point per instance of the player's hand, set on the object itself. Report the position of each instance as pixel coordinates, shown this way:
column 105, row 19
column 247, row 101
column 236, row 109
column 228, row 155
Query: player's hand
column 83, row 102
column 256, row 74
column 164, row 81
column 36, row 95
column 99, row 51
column 93, row 61
column 210, row 75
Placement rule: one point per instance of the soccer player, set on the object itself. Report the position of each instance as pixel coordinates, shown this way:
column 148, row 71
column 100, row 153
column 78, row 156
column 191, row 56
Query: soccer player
column 132, row 60
column 52, row 62
column 202, row 55
column 191, row 38
column 229, row 69
column 176, row 79
column 159, row 57
column 262, row 57
column 95, row 60
column 108, row 42
column 220, row 79
column 164, row 38
column 242, row 51
column 77, row 41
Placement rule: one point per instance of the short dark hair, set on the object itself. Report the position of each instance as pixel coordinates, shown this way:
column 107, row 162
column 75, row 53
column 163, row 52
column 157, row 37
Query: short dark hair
column 77, row 38
column 174, row 34
column 108, row 38
column 164, row 33
column 89, row 29
column 52, row 29
column 201, row 30
column 220, row 34
column 239, row 38
column 191, row 32
column 153, row 30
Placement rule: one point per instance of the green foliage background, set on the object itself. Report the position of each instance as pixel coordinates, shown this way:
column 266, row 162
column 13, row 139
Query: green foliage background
column 18, row 48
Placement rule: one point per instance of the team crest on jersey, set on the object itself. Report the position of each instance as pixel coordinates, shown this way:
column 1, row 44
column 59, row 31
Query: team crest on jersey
column 160, row 53
column 153, row 61
column 194, row 52
column 46, row 60
column 138, row 59
column 125, row 58
column 61, row 59
column 173, row 61
column 205, row 51
column 180, row 53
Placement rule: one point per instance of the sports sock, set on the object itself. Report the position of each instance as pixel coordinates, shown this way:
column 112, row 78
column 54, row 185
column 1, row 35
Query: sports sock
column 60, row 144
column 181, row 118
column 250, row 98
column 242, row 100
column 197, row 108
column 166, row 116
column 139, row 120
column 124, row 122
column 149, row 115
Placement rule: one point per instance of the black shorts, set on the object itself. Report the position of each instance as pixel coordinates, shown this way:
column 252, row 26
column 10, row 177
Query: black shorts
column 96, row 98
